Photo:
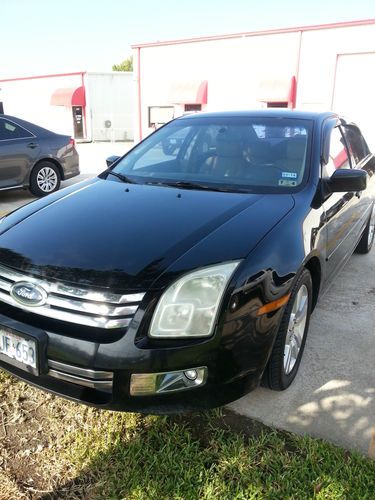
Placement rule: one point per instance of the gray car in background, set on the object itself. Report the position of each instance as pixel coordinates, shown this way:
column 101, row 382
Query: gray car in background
column 34, row 158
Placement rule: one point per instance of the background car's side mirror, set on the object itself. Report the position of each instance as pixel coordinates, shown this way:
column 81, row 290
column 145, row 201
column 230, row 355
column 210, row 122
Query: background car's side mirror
column 348, row 180
column 111, row 160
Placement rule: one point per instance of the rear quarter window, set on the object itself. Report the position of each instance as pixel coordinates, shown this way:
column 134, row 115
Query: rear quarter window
column 10, row 130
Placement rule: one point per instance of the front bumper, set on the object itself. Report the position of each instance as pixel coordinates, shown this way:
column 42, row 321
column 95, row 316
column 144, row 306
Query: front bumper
column 99, row 374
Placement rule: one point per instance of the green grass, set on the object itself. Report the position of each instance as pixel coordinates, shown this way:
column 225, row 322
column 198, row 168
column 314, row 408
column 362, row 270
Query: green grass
column 163, row 458
column 86, row 453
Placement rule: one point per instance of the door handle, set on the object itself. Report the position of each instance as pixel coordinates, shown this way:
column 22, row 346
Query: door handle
column 32, row 145
column 358, row 194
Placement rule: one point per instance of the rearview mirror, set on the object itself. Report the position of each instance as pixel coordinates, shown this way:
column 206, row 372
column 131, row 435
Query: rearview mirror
column 111, row 160
column 348, row 180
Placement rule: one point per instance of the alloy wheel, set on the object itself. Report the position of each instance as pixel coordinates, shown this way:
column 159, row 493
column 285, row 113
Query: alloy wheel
column 47, row 179
column 296, row 329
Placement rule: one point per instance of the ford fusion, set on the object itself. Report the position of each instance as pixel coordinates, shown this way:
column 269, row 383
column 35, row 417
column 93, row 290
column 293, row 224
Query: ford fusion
column 185, row 274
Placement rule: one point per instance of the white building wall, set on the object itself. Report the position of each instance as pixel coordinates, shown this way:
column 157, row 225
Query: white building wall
column 234, row 68
column 355, row 77
column 337, row 71
column 110, row 102
column 30, row 100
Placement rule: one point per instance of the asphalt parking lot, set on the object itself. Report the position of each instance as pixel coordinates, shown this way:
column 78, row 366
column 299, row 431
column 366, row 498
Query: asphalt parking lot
column 333, row 396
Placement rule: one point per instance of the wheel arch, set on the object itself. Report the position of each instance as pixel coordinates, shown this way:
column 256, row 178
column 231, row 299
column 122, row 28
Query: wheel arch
column 50, row 160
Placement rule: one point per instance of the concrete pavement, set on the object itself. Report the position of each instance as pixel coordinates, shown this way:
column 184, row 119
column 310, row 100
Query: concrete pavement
column 333, row 396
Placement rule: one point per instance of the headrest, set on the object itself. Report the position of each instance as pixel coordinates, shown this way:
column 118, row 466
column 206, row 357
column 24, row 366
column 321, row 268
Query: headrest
column 259, row 150
column 295, row 148
column 228, row 144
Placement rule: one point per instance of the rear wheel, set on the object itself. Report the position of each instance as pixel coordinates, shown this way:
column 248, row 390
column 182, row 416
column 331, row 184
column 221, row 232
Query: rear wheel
column 45, row 179
column 367, row 239
column 291, row 337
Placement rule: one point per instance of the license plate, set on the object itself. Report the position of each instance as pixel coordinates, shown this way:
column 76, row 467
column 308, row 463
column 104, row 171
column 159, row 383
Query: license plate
column 16, row 347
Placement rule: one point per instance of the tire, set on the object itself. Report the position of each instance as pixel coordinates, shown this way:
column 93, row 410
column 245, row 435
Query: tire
column 367, row 238
column 45, row 179
column 291, row 336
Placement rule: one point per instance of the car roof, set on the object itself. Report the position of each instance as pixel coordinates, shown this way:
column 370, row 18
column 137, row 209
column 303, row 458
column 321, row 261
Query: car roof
column 269, row 113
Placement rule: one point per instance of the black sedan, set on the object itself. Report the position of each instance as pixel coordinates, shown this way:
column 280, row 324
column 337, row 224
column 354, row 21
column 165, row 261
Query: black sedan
column 34, row 158
column 185, row 274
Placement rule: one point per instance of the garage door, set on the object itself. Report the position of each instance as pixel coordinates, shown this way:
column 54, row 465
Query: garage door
column 354, row 94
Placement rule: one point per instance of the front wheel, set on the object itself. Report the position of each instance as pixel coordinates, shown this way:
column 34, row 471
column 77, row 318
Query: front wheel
column 291, row 336
column 368, row 236
column 45, row 179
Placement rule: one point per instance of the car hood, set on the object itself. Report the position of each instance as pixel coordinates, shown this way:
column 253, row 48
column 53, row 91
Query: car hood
column 111, row 234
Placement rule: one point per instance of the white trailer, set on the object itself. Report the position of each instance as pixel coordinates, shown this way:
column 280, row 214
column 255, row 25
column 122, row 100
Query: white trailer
column 86, row 105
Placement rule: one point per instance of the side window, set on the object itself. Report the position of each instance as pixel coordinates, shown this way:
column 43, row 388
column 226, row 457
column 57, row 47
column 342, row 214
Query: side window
column 358, row 148
column 9, row 130
column 338, row 154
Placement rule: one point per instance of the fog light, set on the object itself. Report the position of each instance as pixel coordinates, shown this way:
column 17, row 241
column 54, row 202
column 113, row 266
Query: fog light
column 145, row 384
column 191, row 374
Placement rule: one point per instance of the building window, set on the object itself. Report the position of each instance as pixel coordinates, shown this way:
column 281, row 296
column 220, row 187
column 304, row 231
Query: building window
column 277, row 104
column 159, row 115
column 192, row 107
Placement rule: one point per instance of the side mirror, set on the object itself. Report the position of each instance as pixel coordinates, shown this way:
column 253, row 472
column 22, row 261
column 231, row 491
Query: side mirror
column 111, row 160
column 348, row 180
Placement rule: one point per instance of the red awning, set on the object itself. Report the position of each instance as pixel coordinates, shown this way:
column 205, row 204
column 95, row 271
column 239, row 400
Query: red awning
column 189, row 92
column 69, row 97
column 278, row 90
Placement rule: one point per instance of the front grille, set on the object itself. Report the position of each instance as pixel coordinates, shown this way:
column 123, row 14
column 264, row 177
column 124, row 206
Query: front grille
column 82, row 306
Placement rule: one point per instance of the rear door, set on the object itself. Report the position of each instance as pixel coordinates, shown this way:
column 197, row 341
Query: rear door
column 342, row 210
column 19, row 149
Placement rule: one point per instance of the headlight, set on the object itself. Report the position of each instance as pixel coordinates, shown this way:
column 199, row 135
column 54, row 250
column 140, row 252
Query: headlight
column 189, row 307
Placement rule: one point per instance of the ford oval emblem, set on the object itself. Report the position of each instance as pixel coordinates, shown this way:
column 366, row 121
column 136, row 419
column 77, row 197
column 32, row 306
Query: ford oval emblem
column 28, row 294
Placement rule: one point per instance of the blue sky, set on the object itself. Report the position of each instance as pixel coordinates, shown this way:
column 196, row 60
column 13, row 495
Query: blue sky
column 51, row 36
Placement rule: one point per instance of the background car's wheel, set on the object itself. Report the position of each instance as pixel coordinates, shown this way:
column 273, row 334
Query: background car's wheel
column 367, row 239
column 45, row 179
column 291, row 337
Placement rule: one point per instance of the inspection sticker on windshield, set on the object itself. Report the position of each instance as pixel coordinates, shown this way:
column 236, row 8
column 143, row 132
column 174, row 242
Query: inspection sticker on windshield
column 289, row 175
column 287, row 182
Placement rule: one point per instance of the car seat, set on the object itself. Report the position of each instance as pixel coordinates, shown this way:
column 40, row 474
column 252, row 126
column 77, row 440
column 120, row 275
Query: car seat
column 229, row 158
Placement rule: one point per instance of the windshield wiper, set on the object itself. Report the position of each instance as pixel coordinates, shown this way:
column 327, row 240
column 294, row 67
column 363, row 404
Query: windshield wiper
column 122, row 177
column 189, row 185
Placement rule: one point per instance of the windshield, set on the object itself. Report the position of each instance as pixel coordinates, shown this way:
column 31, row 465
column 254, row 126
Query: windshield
column 225, row 153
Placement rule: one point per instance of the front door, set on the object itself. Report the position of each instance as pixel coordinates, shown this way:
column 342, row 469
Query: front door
column 342, row 210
